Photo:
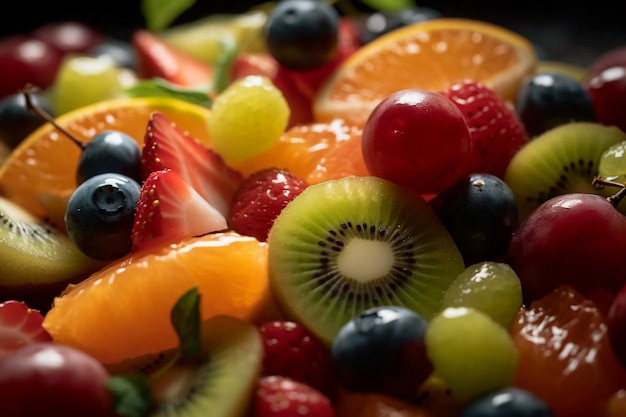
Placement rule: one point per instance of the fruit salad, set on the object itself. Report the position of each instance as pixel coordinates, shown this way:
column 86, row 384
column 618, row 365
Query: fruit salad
column 309, row 209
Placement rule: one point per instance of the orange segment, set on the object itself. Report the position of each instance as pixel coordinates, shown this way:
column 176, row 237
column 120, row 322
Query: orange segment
column 430, row 55
column 123, row 311
column 40, row 173
column 302, row 147
column 342, row 159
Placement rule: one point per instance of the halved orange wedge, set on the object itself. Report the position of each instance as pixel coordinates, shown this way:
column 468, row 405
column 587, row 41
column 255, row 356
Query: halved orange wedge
column 430, row 55
column 123, row 311
column 40, row 174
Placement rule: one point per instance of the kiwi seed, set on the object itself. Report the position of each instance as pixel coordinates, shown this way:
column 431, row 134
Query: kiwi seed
column 346, row 245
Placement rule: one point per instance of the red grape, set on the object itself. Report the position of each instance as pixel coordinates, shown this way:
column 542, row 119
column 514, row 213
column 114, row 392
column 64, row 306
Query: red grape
column 49, row 379
column 25, row 60
column 69, row 36
column 607, row 89
column 417, row 138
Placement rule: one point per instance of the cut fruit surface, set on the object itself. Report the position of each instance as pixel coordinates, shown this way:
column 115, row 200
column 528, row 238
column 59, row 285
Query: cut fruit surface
column 40, row 174
column 346, row 245
column 131, row 300
column 314, row 150
column 431, row 55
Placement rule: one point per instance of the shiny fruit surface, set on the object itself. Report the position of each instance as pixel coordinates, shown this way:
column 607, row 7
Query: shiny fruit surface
column 607, row 89
column 417, row 138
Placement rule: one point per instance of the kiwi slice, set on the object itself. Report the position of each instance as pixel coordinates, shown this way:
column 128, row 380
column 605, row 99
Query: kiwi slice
column 562, row 160
column 346, row 245
column 221, row 381
column 38, row 261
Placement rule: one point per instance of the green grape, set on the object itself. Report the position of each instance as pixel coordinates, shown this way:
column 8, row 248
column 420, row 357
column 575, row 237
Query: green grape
column 471, row 352
column 491, row 287
column 84, row 80
column 612, row 164
column 247, row 118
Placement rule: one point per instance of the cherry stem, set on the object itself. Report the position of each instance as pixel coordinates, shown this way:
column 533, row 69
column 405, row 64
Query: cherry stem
column 32, row 106
column 616, row 198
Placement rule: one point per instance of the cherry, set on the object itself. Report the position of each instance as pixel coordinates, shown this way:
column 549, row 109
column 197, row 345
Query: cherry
column 417, row 138
column 576, row 239
column 607, row 89
column 27, row 60
column 69, row 36
column 50, row 379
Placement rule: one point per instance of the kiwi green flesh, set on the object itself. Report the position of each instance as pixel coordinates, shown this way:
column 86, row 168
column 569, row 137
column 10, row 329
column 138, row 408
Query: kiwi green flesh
column 562, row 160
column 346, row 245
column 221, row 381
column 38, row 261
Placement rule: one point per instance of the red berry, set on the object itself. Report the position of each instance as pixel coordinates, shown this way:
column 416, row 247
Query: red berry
column 279, row 396
column 290, row 350
column 261, row 198
column 496, row 131
column 20, row 326
column 417, row 138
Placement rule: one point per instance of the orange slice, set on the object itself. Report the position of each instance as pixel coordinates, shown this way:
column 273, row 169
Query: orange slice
column 430, row 55
column 40, row 173
column 303, row 147
column 123, row 311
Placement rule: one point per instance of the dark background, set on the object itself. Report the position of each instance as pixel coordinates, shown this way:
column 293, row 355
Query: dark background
column 564, row 31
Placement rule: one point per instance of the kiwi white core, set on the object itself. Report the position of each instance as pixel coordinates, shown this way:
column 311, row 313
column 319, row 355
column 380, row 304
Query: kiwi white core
column 364, row 260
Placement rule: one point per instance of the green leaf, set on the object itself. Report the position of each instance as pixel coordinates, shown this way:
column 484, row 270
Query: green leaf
column 158, row 87
column 389, row 5
column 131, row 395
column 159, row 14
column 221, row 77
column 186, row 320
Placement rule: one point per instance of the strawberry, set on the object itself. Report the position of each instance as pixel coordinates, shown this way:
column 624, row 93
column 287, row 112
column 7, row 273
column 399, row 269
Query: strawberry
column 496, row 131
column 278, row 396
column 20, row 325
column 300, row 106
column 170, row 210
column 290, row 350
column 155, row 58
column 260, row 199
column 167, row 146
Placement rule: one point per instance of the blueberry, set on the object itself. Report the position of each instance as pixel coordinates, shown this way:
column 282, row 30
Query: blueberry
column 380, row 23
column 110, row 151
column 548, row 99
column 507, row 402
column 122, row 52
column 302, row 34
column 481, row 214
column 100, row 214
column 382, row 350
column 17, row 120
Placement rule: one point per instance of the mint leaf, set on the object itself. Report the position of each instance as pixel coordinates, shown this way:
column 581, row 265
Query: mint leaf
column 186, row 320
column 131, row 395
column 389, row 5
column 159, row 14
column 158, row 87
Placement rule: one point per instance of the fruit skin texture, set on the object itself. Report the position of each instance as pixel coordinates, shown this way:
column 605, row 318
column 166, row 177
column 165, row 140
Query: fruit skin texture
column 616, row 322
column 290, row 350
column 279, row 396
column 417, row 138
column 496, row 131
column 260, row 199
column 507, row 402
column 20, row 326
column 382, row 350
column 574, row 239
column 53, row 380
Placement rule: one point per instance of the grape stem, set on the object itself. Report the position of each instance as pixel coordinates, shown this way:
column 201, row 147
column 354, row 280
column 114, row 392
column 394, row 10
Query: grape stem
column 616, row 198
column 27, row 91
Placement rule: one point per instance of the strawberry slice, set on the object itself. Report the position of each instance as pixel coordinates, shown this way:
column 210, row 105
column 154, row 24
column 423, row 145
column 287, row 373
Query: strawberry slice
column 20, row 325
column 279, row 396
column 155, row 58
column 166, row 146
column 170, row 210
